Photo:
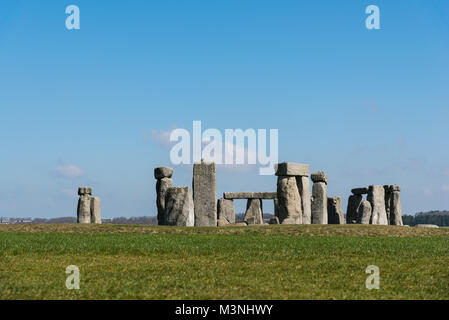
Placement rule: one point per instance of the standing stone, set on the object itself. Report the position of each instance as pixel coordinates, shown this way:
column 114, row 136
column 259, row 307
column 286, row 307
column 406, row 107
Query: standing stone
column 306, row 198
column 254, row 213
column 335, row 211
column 84, row 203
column 164, row 181
column 289, row 201
column 95, row 210
column 387, row 189
column 205, row 194
column 274, row 220
column 364, row 212
column 395, row 207
column 376, row 196
column 179, row 207
column 319, row 198
column 226, row 211
column 353, row 208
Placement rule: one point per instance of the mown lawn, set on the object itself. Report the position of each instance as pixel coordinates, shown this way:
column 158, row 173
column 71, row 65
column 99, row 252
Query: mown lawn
column 266, row 262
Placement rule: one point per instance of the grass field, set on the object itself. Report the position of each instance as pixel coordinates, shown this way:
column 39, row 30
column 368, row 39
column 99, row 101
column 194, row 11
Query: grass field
column 264, row 262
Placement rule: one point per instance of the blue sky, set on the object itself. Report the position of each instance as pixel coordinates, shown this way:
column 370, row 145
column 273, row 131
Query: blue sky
column 93, row 106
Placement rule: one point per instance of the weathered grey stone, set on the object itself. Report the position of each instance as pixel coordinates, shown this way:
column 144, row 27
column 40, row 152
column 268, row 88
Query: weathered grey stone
column 226, row 210
column 95, row 210
column 84, row 190
column 364, row 214
column 83, row 212
column 237, row 224
column 376, row 196
column 289, row 201
column 292, row 169
column 359, row 191
column 319, row 176
column 249, row 195
column 163, row 172
column 205, row 194
column 387, row 197
column 274, row 220
column 222, row 222
column 335, row 211
column 254, row 212
column 319, row 203
column 426, row 226
column 179, row 207
column 353, row 208
column 395, row 209
column 162, row 185
column 303, row 184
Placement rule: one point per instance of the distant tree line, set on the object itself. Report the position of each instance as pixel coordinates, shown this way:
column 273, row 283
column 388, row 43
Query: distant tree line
column 439, row 218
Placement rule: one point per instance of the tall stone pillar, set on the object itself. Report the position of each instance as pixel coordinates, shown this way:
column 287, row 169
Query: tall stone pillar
column 163, row 175
column 335, row 211
column 179, row 207
column 293, row 204
column 226, row 211
column 254, row 212
column 205, row 194
column 395, row 206
column 319, row 198
column 387, row 189
column 289, row 201
column 95, row 210
column 84, row 205
column 353, row 204
column 364, row 212
column 376, row 196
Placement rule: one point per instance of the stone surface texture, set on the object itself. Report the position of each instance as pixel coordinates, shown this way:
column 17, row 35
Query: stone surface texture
column 292, row 169
column 95, row 210
column 205, row 194
column 353, row 208
column 162, row 185
column 289, row 201
column 376, row 196
column 254, row 212
column 319, row 203
column 335, row 211
column 303, row 184
column 179, row 207
column 226, row 210
column 364, row 214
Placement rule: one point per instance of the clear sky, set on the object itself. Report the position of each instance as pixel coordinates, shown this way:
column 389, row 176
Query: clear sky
column 94, row 106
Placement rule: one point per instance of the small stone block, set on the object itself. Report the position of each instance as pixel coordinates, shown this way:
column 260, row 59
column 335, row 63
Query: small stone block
column 292, row 169
column 163, row 172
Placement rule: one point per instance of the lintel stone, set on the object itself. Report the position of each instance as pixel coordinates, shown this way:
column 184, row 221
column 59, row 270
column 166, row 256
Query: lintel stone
column 292, row 169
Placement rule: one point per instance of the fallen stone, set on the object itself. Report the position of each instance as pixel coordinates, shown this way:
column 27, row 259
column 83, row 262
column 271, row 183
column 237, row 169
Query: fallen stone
column 292, row 169
column 303, row 184
column 162, row 185
column 359, row 191
column 274, row 220
column 237, row 224
column 289, row 201
column 376, row 196
column 205, row 194
column 319, row 176
column 426, row 226
column 254, row 213
column 222, row 222
column 319, row 203
column 353, row 208
column 179, row 207
column 335, row 211
column 364, row 212
column 226, row 210
column 249, row 195
column 95, row 210
column 83, row 212
column 163, row 172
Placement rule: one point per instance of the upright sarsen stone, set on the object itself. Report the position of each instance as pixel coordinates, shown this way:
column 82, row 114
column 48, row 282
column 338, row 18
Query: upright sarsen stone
column 335, row 211
column 319, row 198
column 205, row 194
column 164, row 181
column 395, row 206
column 179, row 207
column 353, row 207
column 376, row 196
column 387, row 189
column 289, row 210
column 84, row 205
column 306, row 198
column 364, row 212
column 95, row 210
column 254, row 212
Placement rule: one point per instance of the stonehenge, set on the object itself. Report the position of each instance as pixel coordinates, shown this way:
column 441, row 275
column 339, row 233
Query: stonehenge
column 294, row 201
column 89, row 208
column 319, row 198
column 205, row 194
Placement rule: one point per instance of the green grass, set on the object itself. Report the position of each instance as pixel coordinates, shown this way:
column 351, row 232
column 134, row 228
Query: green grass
column 266, row 262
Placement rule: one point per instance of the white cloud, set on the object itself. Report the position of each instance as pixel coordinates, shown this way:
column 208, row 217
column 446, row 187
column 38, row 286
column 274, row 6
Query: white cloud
column 160, row 137
column 69, row 171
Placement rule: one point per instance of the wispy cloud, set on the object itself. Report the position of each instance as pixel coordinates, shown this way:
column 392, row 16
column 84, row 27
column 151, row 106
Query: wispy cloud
column 160, row 137
column 69, row 171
